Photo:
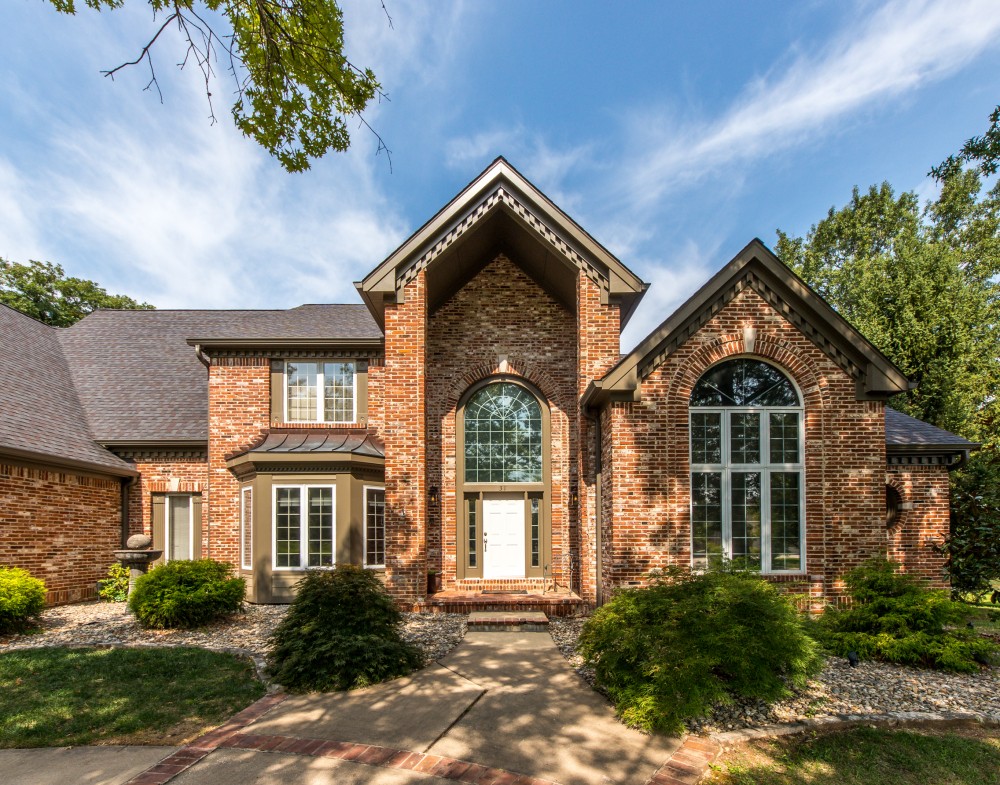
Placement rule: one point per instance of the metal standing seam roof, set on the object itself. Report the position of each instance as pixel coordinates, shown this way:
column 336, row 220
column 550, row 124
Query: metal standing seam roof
column 355, row 441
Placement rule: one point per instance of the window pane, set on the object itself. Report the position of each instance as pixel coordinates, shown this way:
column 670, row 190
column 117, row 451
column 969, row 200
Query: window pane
column 786, row 537
column 179, row 524
column 246, row 526
column 375, row 528
column 470, row 514
column 301, row 381
column 706, row 519
column 744, row 437
column 287, row 507
column 320, row 527
column 503, row 435
column 745, row 493
column 535, row 530
column 338, row 391
column 744, row 382
column 706, row 437
column 785, row 437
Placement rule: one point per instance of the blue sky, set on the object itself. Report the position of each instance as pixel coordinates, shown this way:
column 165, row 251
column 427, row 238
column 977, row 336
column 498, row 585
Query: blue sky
column 673, row 132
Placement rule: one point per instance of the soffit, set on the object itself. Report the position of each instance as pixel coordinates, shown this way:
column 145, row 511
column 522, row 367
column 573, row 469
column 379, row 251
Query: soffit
column 756, row 268
column 501, row 212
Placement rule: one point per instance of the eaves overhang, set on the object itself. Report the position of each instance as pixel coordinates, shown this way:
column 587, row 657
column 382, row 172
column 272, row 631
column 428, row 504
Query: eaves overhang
column 757, row 268
column 45, row 459
column 319, row 343
column 499, row 192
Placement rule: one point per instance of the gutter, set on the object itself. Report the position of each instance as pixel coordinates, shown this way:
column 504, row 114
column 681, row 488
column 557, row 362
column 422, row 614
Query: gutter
column 67, row 463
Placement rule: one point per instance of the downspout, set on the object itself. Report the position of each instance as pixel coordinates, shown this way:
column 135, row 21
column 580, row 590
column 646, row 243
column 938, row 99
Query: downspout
column 127, row 483
column 598, row 510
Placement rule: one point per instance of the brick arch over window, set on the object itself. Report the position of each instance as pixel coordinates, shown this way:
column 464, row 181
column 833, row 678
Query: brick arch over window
column 812, row 387
column 512, row 366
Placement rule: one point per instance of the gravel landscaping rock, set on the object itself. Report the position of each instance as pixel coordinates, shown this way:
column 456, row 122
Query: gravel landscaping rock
column 103, row 623
column 873, row 688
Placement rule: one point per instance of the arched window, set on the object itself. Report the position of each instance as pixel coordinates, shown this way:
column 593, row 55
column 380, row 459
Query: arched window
column 503, row 435
column 747, row 478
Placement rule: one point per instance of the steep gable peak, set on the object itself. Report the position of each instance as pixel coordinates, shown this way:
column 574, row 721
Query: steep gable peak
column 500, row 211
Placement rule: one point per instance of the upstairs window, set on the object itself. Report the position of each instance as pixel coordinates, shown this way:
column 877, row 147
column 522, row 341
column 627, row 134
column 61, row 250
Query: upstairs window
column 320, row 392
column 747, row 469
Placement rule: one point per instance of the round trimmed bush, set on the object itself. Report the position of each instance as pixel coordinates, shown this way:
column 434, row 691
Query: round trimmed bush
column 186, row 594
column 22, row 598
column 341, row 632
column 669, row 652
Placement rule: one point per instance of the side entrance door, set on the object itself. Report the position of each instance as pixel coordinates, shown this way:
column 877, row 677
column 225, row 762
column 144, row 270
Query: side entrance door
column 503, row 536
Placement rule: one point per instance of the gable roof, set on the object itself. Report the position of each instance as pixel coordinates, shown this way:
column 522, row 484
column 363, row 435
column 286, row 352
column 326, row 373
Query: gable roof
column 757, row 268
column 501, row 212
column 42, row 418
column 140, row 381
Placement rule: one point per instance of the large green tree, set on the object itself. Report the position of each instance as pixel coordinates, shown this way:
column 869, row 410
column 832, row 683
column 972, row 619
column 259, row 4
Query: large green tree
column 294, row 88
column 921, row 285
column 981, row 152
column 44, row 291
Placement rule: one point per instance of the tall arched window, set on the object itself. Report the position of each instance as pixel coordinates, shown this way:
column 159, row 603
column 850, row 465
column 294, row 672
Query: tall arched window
column 503, row 435
column 747, row 478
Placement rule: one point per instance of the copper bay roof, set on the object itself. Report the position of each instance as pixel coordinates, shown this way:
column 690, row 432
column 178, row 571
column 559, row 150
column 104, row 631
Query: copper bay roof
column 353, row 441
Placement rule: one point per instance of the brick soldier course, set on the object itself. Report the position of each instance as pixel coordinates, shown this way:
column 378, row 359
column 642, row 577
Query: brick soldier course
column 106, row 420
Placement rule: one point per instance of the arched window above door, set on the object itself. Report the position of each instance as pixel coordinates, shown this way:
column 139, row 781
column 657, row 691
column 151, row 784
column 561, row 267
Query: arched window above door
column 503, row 435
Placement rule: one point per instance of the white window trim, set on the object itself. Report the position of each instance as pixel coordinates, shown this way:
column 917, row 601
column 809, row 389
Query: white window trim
column 303, row 526
column 726, row 468
column 364, row 528
column 245, row 491
column 168, row 539
column 320, row 387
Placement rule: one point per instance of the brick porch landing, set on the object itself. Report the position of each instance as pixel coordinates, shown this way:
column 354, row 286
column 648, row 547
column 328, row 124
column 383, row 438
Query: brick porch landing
column 549, row 603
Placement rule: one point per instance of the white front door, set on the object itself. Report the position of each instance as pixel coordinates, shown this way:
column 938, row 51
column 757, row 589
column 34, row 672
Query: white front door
column 503, row 536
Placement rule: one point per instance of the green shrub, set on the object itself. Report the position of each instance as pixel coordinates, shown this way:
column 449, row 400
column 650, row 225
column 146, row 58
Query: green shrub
column 342, row 631
column 895, row 618
column 669, row 652
column 22, row 598
column 186, row 594
column 114, row 588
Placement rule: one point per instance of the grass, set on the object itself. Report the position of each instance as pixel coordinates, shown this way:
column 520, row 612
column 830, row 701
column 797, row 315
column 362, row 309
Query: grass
column 866, row 756
column 986, row 616
column 65, row 697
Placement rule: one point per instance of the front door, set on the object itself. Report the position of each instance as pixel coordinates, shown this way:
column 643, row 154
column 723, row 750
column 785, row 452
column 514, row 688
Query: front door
column 503, row 536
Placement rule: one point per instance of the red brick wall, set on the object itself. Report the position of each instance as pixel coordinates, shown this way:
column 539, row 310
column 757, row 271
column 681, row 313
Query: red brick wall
column 239, row 395
column 405, row 433
column 916, row 532
column 60, row 526
column 649, row 522
column 500, row 317
column 161, row 474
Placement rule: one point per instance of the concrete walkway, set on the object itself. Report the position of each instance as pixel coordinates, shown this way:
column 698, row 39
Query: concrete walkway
column 504, row 708
column 77, row 765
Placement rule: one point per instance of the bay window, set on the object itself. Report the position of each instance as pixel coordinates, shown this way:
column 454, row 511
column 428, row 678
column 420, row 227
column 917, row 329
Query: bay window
column 304, row 526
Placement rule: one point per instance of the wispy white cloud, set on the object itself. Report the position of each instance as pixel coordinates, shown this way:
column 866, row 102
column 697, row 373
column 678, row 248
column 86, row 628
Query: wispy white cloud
column 892, row 50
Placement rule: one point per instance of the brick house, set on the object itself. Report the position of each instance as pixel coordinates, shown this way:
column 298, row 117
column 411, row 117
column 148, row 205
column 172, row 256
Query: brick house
column 473, row 420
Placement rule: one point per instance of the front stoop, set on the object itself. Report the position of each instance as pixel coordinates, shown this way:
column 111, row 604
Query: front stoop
column 549, row 603
column 508, row 621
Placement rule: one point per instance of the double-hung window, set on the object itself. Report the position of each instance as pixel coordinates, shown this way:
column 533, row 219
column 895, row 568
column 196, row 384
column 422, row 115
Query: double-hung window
column 179, row 520
column 304, row 526
column 747, row 470
column 320, row 392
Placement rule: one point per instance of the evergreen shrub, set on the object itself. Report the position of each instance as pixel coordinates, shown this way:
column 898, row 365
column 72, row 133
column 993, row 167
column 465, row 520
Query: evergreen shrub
column 669, row 652
column 341, row 632
column 894, row 617
column 186, row 594
column 22, row 598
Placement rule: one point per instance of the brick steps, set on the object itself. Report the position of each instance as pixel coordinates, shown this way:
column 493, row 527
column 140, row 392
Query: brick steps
column 508, row 621
column 562, row 604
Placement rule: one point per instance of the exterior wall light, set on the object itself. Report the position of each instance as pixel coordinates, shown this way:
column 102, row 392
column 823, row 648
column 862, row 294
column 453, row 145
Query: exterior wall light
column 433, row 495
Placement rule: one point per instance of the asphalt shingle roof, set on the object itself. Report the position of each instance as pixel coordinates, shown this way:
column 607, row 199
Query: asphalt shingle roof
column 139, row 380
column 901, row 430
column 40, row 412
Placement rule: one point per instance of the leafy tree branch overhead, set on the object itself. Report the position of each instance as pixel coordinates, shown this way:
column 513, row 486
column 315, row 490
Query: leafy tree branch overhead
column 294, row 88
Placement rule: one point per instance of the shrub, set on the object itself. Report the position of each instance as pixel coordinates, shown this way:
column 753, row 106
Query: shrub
column 895, row 618
column 186, row 594
column 22, row 598
column 114, row 588
column 670, row 651
column 342, row 631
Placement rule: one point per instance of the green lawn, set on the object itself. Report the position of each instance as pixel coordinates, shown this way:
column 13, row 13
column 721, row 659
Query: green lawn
column 986, row 617
column 867, row 756
column 61, row 697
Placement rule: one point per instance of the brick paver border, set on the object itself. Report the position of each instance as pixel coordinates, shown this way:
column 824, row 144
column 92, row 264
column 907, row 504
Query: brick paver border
column 689, row 762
